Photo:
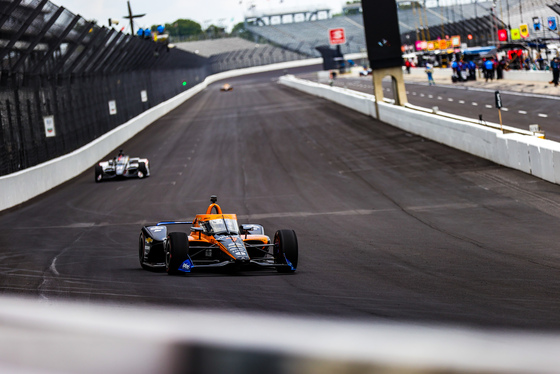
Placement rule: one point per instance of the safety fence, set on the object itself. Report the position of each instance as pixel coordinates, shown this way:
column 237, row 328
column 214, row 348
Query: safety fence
column 66, row 81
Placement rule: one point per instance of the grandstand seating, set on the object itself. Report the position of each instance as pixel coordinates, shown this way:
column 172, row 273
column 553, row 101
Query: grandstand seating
column 303, row 37
column 459, row 19
column 237, row 53
column 260, row 55
column 213, row 47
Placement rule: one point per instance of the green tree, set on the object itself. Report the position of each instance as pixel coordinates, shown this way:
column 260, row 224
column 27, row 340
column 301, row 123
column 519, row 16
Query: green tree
column 183, row 27
column 240, row 31
column 214, row 32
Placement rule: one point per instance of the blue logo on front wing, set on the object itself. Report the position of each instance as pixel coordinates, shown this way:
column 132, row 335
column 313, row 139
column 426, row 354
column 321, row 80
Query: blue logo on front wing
column 289, row 263
column 186, row 266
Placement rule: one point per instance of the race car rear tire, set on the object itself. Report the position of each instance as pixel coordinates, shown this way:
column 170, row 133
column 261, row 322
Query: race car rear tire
column 98, row 173
column 141, row 251
column 142, row 170
column 286, row 249
column 176, row 252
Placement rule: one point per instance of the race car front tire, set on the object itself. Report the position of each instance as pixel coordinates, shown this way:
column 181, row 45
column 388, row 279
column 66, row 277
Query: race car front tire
column 142, row 170
column 98, row 173
column 286, row 250
column 176, row 252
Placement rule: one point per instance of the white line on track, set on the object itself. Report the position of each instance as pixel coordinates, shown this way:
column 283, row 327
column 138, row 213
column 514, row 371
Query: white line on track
column 431, row 96
column 521, row 112
column 439, row 98
column 53, row 267
column 461, row 101
column 505, row 109
column 543, row 115
column 449, row 99
column 524, row 94
column 488, row 106
column 475, row 104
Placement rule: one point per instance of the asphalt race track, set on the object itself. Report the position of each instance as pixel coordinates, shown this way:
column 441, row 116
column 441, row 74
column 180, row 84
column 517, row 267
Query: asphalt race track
column 390, row 226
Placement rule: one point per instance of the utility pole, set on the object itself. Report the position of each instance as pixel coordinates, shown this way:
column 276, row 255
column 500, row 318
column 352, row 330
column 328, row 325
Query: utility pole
column 131, row 17
column 476, row 17
column 415, row 24
column 494, row 27
column 441, row 15
column 426, row 16
column 421, row 21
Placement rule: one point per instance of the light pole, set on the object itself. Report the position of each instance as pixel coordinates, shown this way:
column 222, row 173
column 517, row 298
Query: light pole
column 494, row 27
column 131, row 17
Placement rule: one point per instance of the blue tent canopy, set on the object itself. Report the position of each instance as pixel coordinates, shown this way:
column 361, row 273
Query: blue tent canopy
column 479, row 50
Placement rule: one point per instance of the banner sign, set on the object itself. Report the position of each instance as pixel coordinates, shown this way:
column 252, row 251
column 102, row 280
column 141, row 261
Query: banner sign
column 502, row 35
column 456, row 41
column 498, row 99
column 537, row 23
column 524, row 30
column 515, row 34
column 112, row 107
column 49, row 126
column 442, row 44
column 336, row 36
column 552, row 24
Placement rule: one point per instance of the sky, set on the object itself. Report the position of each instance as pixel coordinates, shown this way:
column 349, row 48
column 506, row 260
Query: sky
column 206, row 12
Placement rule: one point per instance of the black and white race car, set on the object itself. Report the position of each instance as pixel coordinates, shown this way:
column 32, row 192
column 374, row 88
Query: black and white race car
column 122, row 166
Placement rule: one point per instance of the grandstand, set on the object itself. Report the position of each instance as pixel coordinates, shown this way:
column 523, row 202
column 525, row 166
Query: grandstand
column 415, row 22
column 207, row 48
column 524, row 11
column 293, row 39
column 304, row 37
column 412, row 19
column 259, row 55
column 236, row 53
column 288, row 13
column 474, row 18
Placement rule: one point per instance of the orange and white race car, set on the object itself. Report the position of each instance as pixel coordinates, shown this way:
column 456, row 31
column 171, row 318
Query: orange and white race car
column 215, row 241
column 226, row 87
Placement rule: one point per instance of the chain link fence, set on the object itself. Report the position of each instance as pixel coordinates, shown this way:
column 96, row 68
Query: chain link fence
column 65, row 81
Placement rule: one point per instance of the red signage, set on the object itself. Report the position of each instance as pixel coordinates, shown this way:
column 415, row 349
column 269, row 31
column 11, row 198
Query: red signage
column 502, row 35
column 336, row 36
